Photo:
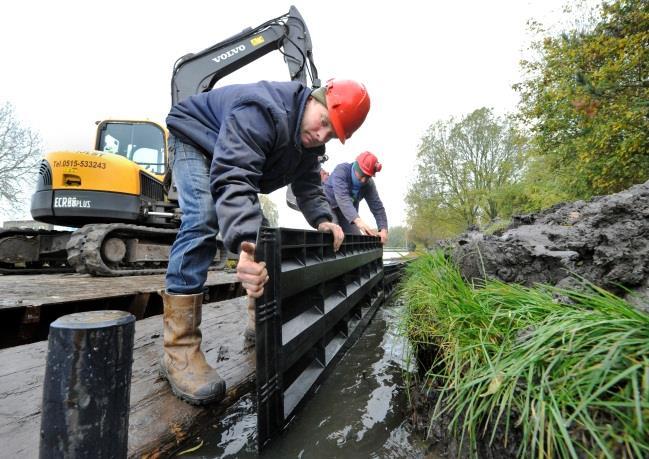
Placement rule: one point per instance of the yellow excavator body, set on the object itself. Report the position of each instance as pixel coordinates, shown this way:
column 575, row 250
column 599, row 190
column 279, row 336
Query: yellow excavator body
column 121, row 180
column 94, row 171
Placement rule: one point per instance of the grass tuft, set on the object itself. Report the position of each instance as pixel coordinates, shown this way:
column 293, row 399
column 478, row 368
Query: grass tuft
column 573, row 376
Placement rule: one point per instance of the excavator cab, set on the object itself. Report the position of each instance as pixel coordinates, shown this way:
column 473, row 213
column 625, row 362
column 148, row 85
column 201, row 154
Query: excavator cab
column 142, row 142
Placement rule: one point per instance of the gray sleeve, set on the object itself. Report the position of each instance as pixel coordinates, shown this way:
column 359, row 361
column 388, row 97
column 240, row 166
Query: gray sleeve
column 342, row 193
column 310, row 196
column 376, row 206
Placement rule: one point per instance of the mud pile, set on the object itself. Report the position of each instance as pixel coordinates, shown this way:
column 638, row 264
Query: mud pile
column 604, row 240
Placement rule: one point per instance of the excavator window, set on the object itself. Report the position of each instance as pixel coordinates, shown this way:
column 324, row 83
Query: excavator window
column 141, row 142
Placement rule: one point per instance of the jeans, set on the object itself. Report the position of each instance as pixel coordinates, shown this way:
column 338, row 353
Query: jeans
column 195, row 245
column 339, row 219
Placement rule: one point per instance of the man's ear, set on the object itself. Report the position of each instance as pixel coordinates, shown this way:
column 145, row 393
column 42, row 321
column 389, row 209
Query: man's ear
column 309, row 103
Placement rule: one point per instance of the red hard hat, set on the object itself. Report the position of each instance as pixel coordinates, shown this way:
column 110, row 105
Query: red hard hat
column 368, row 163
column 348, row 104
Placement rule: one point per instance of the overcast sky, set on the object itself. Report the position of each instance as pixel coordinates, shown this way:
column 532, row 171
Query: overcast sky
column 67, row 64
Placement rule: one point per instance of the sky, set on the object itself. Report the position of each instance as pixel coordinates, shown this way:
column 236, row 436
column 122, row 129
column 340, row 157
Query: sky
column 67, row 64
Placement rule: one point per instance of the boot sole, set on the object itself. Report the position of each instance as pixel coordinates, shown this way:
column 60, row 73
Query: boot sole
column 220, row 393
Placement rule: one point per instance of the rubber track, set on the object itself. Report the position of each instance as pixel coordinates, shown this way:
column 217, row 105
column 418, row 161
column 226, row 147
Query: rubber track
column 34, row 268
column 84, row 249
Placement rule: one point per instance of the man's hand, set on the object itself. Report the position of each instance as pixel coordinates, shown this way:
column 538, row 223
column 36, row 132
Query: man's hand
column 337, row 231
column 364, row 227
column 384, row 236
column 252, row 275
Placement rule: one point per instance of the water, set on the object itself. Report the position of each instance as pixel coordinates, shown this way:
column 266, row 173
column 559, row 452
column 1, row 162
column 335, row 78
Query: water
column 359, row 411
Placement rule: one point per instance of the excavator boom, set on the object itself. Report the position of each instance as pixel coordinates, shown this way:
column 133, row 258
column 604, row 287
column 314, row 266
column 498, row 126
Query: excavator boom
column 199, row 72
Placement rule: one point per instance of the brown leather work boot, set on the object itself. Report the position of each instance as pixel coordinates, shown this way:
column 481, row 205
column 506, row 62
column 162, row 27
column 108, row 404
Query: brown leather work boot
column 183, row 363
column 249, row 334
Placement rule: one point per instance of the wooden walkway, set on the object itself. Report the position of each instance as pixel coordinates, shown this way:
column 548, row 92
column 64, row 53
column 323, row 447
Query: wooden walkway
column 28, row 304
column 158, row 420
column 51, row 289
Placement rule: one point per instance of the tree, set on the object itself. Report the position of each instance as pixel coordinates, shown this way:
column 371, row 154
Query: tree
column 586, row 101
column 20, row 152
column 463, row 168
column 269, row 209
column 428, row 219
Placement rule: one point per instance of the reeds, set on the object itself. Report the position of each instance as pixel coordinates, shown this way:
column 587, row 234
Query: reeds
column 571, row 375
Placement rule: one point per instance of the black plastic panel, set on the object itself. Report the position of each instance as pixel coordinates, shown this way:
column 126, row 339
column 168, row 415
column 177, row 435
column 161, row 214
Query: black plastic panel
column 314, row 307
column 392, row 272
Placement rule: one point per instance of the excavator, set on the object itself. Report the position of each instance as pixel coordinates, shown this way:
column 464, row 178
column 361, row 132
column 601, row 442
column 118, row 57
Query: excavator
column 115, row 196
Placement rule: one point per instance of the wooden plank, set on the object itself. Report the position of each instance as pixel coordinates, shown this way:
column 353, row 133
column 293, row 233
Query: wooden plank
column 36, row 290
column 158, row 420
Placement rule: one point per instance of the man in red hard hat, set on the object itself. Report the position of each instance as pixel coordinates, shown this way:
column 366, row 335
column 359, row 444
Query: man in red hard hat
column 226, row 146
column 347, row 186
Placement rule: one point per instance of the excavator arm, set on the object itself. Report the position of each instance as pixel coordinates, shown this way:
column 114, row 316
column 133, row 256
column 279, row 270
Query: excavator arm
column 199, row 72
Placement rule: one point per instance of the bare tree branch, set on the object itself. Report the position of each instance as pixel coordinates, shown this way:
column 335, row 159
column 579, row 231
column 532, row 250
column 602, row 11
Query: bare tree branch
column 20, row 152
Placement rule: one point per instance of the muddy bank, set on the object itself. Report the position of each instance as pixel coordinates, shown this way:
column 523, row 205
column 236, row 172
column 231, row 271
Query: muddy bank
column 604, row 240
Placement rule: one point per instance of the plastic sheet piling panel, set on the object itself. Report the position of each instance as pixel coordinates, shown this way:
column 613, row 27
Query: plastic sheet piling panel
column 316, row 303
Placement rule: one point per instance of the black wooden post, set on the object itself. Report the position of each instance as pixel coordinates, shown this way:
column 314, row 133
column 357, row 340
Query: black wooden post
column 87, row 385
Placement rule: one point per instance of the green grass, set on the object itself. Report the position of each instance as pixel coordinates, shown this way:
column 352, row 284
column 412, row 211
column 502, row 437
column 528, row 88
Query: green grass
column 574, row 378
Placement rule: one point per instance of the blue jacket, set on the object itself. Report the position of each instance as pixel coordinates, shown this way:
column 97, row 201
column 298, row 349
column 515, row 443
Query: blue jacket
column 338, row 189
column 252, row 134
